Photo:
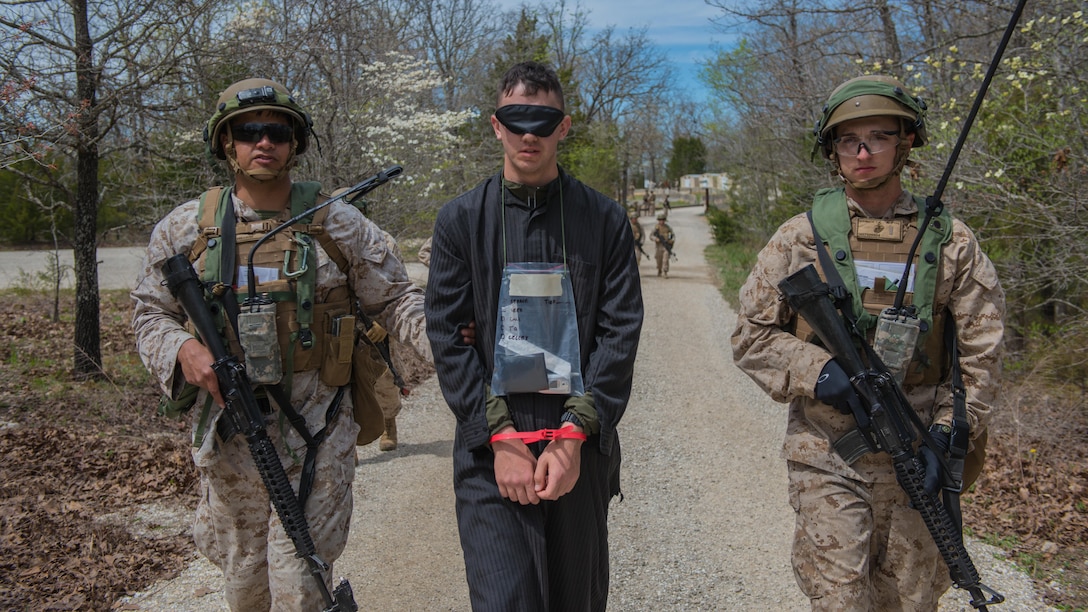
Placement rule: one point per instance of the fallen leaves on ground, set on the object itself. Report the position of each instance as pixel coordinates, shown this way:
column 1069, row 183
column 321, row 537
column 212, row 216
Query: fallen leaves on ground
column 76, row 462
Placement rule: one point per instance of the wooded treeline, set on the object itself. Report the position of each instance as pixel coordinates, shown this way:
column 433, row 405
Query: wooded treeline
column 103, row 101
column 103, row 104
column 1021, row 177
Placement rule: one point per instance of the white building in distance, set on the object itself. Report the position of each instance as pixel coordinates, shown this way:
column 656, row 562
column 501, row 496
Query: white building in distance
column 715, row 181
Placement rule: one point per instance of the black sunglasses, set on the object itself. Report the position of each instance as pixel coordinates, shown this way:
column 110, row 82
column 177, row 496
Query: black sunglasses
column 530, row 118
column 278, row 133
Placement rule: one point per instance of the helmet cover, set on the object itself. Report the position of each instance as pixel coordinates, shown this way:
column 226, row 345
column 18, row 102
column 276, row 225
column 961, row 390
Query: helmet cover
column 256, row 95
column 871, row 96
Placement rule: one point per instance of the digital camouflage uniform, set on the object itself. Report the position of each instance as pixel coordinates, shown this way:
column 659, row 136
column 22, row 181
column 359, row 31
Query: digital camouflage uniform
column 235, row 525
column 425, row 253
column 662, row 235
column 858, row 545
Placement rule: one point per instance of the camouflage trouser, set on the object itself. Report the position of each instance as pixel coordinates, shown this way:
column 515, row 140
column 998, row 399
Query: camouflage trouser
column 861, row 547
column 662, row 257
column 238, row 530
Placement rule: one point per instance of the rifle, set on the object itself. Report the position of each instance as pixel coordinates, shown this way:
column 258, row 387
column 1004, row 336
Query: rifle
column 245, row 416
column 640, row 250
column 888, row 423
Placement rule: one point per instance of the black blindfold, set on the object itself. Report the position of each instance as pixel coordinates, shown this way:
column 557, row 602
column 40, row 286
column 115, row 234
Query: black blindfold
column 530, row 118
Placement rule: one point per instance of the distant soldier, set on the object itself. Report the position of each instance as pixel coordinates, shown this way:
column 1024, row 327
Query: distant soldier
column 386, row 390
column 639, row 235
column 664, row 239
column 424, row 254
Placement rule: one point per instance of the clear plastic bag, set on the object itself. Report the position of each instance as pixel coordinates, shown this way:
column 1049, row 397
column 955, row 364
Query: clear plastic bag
column 536, row 339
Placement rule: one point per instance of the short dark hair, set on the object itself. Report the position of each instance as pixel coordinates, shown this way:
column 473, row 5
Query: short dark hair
column 535, row 76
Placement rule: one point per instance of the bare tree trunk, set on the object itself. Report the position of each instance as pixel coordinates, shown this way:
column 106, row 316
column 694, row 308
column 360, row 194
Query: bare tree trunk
column 891, row 38
column 623, row 182
column 88, row 351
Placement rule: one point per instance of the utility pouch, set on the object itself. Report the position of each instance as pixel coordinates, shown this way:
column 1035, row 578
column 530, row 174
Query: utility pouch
column 339, row 346
column 896, row 336
column 367, row 366
column 257, row 335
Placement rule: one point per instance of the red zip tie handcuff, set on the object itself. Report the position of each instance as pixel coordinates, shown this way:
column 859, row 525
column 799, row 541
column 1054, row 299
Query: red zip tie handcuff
column 528, row 437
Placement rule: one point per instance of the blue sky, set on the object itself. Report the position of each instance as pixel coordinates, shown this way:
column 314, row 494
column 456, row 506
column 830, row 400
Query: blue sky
column 680, row 28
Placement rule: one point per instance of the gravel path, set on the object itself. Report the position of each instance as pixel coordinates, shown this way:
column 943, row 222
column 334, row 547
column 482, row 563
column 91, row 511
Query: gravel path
column 704, row 523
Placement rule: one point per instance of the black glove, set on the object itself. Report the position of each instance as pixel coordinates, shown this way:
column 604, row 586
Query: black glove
column 833, row 387
column 932, row 481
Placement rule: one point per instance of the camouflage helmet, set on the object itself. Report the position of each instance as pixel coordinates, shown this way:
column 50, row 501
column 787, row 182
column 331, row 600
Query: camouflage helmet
column 871, row 96
column 254, row 95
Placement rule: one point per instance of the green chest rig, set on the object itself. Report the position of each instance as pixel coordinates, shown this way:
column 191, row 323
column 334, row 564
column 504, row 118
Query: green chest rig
column 220, row 255
column 832, row 220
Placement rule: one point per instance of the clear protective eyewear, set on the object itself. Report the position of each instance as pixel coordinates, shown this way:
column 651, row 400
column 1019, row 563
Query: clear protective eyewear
column 877, row 141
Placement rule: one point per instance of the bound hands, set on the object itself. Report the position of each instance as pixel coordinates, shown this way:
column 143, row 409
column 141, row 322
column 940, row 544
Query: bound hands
column 196, row 365
column 526, row 479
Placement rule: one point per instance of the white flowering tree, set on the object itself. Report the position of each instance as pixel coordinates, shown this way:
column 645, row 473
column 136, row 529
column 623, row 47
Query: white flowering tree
column 392, row 116
column 1026, row 178
column 374, row 101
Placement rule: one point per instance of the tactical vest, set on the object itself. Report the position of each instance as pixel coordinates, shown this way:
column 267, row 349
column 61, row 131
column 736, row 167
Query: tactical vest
column 853, row 238
column 308, row 327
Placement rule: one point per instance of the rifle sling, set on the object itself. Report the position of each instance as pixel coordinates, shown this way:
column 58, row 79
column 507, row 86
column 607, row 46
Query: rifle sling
column 960, row 437
column 306, row 480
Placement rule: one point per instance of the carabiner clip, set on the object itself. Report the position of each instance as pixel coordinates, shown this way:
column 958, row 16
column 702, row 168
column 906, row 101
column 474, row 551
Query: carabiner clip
column 304, row 251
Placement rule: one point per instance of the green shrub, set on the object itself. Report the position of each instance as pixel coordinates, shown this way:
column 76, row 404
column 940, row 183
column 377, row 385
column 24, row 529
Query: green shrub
column 723, row 226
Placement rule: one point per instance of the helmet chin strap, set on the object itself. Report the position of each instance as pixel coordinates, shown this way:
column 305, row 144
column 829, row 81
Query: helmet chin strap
column 261, row 175
column 901, row 153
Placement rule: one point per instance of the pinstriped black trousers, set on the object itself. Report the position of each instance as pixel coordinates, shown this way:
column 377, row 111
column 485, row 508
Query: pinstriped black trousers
column 550, row 557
